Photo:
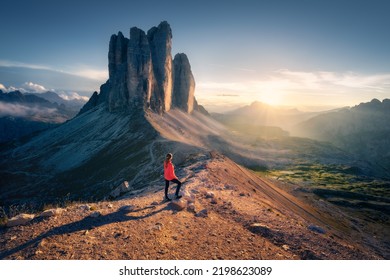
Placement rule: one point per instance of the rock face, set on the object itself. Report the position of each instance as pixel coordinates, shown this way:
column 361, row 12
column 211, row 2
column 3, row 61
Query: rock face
column 183, row 84
column 142, row 74
column 139, row 67
column 160, row 40
column 117, row 69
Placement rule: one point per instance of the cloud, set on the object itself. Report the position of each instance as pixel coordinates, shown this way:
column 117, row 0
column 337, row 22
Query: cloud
column 8, row 89
column 319, row 83
column 8, row 63
column 297, row 88
column 331, row 80
column 232, row 67
column 27, row 87
column 18, row 110
column 72, row 96
column 94, row 74
column 294, row 80
column 34, row 88
column 84, row 71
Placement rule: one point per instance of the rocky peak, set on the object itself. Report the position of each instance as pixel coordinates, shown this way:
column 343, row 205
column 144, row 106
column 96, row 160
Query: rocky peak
column 183, row 84
column 374, row 105
column 139, row 69
column 160, row 40
column 116, row 53
column 142, row 74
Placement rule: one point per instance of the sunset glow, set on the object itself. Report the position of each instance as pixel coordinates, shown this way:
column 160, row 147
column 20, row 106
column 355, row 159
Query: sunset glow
column 277, row 52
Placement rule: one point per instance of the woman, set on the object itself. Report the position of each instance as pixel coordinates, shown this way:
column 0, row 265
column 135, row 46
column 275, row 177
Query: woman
column 169, row 175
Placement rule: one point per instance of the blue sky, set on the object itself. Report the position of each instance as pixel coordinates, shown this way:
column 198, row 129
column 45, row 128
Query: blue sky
column 303, row 53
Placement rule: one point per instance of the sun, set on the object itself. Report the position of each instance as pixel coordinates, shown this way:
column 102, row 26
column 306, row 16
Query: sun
column 271, row 98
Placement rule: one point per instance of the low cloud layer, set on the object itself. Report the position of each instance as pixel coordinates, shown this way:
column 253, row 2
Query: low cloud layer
column 19, row 110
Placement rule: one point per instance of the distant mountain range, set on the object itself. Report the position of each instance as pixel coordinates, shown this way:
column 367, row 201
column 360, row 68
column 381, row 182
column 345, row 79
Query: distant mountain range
column 22, row 114
column 363, row 130
column 263, row 120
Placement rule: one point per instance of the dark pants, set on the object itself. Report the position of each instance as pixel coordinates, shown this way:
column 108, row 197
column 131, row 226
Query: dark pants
column 167, row 186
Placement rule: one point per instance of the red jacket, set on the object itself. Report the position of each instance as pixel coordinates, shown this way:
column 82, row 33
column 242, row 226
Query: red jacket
column 169, row 171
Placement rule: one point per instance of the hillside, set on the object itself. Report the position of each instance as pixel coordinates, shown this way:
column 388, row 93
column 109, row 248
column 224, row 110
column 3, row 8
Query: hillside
column 362, row 130
column 22, row 114
column 234, row 215
column 55, row 163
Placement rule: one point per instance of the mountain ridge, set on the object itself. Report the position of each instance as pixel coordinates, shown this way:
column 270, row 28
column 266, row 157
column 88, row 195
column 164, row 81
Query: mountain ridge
column 362, row 130
column 262, row 115
column 226, row 213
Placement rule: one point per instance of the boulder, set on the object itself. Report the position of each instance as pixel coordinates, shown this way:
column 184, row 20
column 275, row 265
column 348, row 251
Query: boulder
column 177, row 205
column 127, row 208
column 214, row 201
column 202, row 214
column 210, row 195
column 191, row 207
column 52, row 212
column 85, row 207
column 261, row 229
column 120, row 190
column 158, row 226
column 95, row 214
column 20, row 219
column 189, row 197
column 316, row 229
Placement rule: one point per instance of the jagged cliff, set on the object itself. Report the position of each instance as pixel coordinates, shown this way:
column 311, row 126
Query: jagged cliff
column 183, row 84
column 142, row 74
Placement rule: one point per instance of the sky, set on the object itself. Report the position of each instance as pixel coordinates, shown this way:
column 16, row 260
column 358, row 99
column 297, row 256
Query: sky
column 309, row 54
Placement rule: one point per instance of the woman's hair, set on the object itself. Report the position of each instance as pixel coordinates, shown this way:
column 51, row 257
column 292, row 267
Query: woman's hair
column 167, row 158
